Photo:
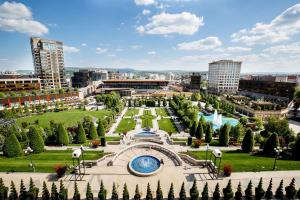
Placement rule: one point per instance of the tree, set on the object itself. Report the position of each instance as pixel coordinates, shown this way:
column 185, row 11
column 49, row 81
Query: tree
column 62, row 137
column 182, row 193
column 13, row 195
column 249, row 192
column 204, row 193
column 45, row 192
column 199, row 131
column 279, row 192
column 76, row 195
column 137, row 195
column 12, row 147
column 269, row 192
column 171, row 193
column 23, row 191
column 81, row 137
column 196, row 96
column 290, row 190
column 298, row 194
column 54, row 193
column 194, row 193
column 125, row 193
column 259, row 191
column 36, row 141
column 208, row 133
column 271, row 143
column 63, row 192
column 224, row 135
column 102, row 192
column 244, row 121
column 89, row 194
column 33, row 191
column 216, row 194
column 193, row 129
column 100, row 128
column 227, row 191
column 114, row 194
column 296, row 149
column 239, row 193
column 3, row 190
column 93, row 132
column 159, row 194
column 149, row 193
column 237, row 132
column 248, row 141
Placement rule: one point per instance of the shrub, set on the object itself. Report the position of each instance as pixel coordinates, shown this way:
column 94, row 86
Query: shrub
column 93, row 132
column 45, row 192
column 89, row 193
column 279, row 192
column 3, row 190
column 271, row 143
column 204, row 193
column 102, row 192
column 216, row 193
column 103, row 141
column 259, row 191
column 269, row 192
column 60, row 170
column 81, row 137
column 36, row 141
column 100, row 128
column 189, row 141
column 149, row 193
column 194, row 193
column 137, row 195
column 227, row 191
column 197, row 143
column 239, row 194
column 227, row 169
column 291, row 190
column 12, row 147
column 76, row 192
column 208, row 133
column 125, row 193
column 224, row 135
column 62, row 135
column 171, row 193
column 159, row 194
column 95, row 143
column 249, row 192
column 182, row 194
column 248, row 141
column 296, row 149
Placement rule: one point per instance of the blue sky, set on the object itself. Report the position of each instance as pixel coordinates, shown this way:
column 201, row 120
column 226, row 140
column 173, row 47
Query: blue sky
column 155, row 34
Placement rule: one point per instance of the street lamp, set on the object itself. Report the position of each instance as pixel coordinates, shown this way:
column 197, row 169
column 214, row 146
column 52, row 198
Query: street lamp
column 207, row 149
column 28, row 152
column 277, row 154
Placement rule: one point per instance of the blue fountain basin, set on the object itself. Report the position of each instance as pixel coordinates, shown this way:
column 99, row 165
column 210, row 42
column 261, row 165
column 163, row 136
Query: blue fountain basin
column 225, row 120
column 144, row 165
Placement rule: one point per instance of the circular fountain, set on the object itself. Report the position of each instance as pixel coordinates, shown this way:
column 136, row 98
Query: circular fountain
column 144, row 165
column 218, row 120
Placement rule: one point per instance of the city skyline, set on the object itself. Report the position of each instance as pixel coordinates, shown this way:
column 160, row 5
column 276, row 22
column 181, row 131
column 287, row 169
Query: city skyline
column 155, row 34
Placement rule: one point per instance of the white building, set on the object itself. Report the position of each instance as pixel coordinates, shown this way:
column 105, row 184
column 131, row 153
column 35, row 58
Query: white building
column 223, row 76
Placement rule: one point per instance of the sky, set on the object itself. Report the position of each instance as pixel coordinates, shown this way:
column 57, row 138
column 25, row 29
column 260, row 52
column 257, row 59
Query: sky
column 155, row 34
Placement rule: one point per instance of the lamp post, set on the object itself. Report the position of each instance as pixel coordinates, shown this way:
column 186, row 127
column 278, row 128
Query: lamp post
column 28, row 152
column 207, row 149
column 277, row 154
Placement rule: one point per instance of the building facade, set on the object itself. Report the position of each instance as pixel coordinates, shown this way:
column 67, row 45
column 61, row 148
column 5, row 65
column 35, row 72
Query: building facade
column 48, row 60
column 135, row 84
column 223, row 76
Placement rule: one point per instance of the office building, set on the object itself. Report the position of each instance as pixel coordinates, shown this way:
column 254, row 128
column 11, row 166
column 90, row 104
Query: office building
column 223, row 76
column 48, row 60
column 135, row 84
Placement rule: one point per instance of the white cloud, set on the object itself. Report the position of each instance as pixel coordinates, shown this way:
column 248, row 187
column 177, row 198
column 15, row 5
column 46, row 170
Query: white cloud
column 293, row 48
column 234, row 49
column 111, row 55
column 119, row 49
column 135, row 46
column 100, row 50
column 204, row 44
column 146, row 12
column 84, row 44
column 69, row 49
column 151, row 52
column 183, row 23
column 16, row 17
column 280, row 28
column 144, row 2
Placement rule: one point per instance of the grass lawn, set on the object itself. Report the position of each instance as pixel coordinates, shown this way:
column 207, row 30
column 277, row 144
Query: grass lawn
column 147, row 118
column 44, row 162
column 69, row 118
column 125, row 125
column 244, row 162
column 112, row 138
column 167, row 125
column 131, row 112
column 162, row 112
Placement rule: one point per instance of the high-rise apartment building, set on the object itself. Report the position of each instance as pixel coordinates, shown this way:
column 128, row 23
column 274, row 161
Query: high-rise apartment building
column 223, row 76
column 48, row 60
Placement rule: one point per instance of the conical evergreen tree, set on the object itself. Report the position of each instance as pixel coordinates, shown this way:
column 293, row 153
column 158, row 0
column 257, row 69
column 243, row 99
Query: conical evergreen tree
column 290, row 190
column 199, row 131
column 11, row 146
column 279, row 192
column 23, row 191
column 89, row 194
column 193, row 129
column 259, row 191
column 224, row 135
column 149, row 193
column 81, row 137
column 33, row 191
column 63, row 192
column 36, row 141
column 125, row 193
column 239, row 194
column 45, row 192
column 208, row 133
column 249, row 192
column 269, row 192
column 216, row 194
column 182, row 193
column 13, row 195
column 194, row 193
column 114, row 194
column 171, row 195
column 76, row 192
column 54, row 193
column 227, row 191
column 62, row 135
column 102, row 192
column 204, row 193
column 159, row 194
column 93, row 132
column 100, row 128
column 248, row 141
column 137, row 195
column 3, row 190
